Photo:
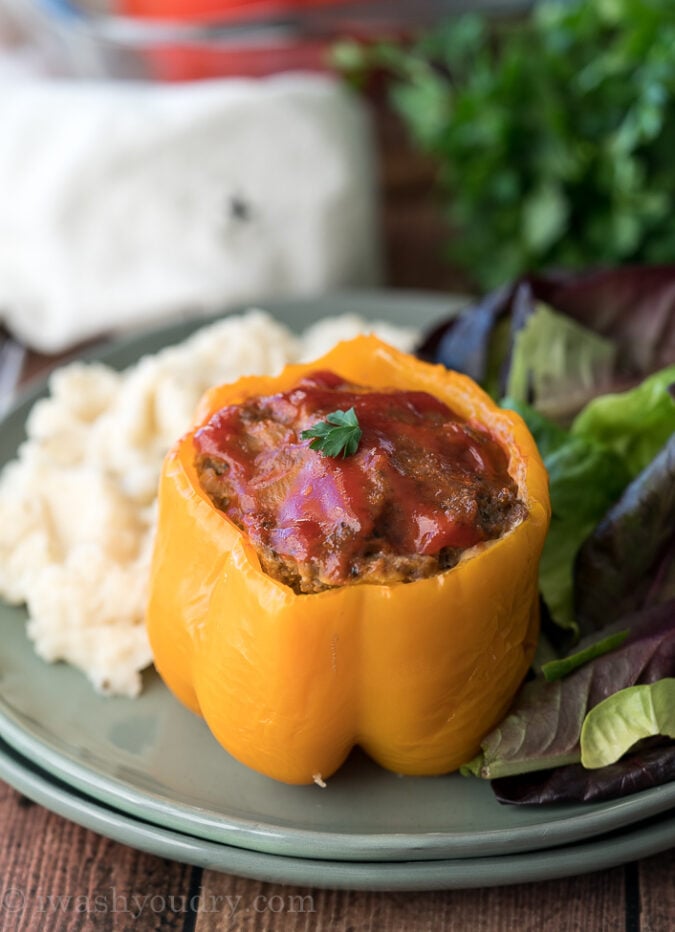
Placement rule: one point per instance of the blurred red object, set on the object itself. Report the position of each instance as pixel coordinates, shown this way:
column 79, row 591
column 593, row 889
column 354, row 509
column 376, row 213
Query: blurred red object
column 266, row 36
column 217, row 10
column 187, row 63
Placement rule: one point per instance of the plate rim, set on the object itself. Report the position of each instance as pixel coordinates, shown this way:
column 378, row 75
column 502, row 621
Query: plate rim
column 555, row 863
column 266, row 837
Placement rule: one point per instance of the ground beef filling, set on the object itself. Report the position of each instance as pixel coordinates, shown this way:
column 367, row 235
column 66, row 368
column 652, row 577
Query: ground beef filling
column 422, row 487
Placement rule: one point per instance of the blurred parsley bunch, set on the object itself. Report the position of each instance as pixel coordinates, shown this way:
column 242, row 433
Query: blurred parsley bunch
column 554, row 136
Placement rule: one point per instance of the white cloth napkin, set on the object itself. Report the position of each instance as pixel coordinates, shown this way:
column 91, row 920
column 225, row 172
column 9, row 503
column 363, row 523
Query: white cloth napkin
column 122, row 203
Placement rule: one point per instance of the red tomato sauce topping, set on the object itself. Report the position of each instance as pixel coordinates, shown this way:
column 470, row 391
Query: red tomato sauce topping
column 423, row 485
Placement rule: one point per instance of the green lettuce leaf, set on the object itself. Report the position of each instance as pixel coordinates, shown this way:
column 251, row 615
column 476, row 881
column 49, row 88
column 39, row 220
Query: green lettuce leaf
column 634, row 424
column 610, row 442
column 617, row 723
column 557, row 364
column 585, row 478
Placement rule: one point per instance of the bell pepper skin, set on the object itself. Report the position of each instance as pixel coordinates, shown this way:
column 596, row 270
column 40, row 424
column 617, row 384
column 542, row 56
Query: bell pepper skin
column 414, row 673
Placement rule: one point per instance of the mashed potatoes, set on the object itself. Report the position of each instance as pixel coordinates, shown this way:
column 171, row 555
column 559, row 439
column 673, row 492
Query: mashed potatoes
column 77, row 505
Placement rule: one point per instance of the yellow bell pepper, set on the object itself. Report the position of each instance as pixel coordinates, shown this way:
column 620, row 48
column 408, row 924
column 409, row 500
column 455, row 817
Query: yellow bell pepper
column 414, row 673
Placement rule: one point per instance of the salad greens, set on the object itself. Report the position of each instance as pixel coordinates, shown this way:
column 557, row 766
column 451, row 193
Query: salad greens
column 556, row 360
column 585, row 478
column 609, row 443
column 621, row 720
column 641, row 769
column 544, row 727
column 557, row 669
column 594, row 379
column 629, row 558
column 632, row 307
column 634, row 424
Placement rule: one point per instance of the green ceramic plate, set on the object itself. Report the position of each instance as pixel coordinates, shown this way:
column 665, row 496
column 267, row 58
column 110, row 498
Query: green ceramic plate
column 456, row 873
column 154, row 761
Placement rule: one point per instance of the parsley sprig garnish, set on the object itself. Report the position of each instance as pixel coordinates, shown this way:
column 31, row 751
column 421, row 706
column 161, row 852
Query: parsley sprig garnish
column 338, row 435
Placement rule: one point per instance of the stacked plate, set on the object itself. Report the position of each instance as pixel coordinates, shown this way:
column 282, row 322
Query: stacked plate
column 146, row 772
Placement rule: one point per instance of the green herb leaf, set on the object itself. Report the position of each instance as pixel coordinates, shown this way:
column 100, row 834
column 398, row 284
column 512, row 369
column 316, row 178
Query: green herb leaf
column 338, row 435
column 559, row 127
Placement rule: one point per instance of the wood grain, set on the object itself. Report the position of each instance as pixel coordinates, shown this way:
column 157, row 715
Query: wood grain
column 593, row 902
column 56, row 875
column 657, row 893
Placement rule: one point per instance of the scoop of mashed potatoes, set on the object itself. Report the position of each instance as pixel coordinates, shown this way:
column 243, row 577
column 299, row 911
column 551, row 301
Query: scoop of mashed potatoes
column 77, row 506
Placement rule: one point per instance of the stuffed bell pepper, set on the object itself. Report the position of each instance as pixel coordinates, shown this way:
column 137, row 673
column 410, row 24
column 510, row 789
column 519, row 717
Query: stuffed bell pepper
column 347, row 554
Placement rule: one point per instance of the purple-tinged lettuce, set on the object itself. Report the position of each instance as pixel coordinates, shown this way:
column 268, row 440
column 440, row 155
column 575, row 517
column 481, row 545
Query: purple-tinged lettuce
column 543, row 727
column 643, row 769
column 628, row 314
column 629, row 559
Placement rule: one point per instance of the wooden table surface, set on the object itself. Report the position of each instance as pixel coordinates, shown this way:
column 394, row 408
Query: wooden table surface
column 57, row 875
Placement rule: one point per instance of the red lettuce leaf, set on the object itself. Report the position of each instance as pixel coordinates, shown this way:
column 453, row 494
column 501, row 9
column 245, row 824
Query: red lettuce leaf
column 462, row 342
column 633, row 306
column 543, row 726
column 628, row 561
column 649, row 767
